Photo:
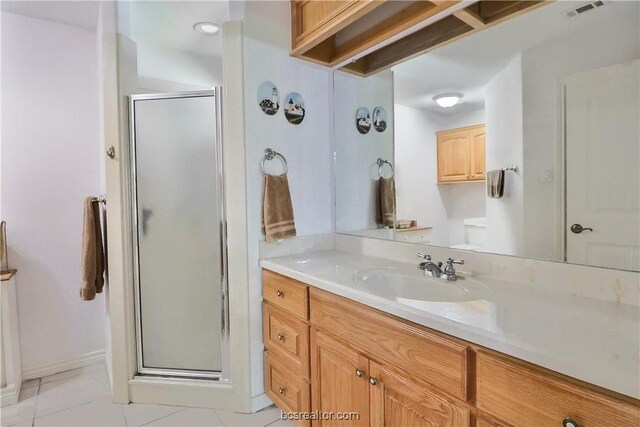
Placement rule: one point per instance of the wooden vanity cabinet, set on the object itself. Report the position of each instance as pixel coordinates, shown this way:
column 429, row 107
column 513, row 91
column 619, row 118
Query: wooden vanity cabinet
column 344, row 381
column 339, row 380
column 398, row 399
column 461, row 154
column 339, row 356
column 285, row 334
column 522, row 394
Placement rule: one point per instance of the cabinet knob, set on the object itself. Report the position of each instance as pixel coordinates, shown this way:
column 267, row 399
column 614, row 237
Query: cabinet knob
column 280, row 337
column 568, row 422
column 281, row 390
column 373, row 380
column 280, row 293
column 359, row 373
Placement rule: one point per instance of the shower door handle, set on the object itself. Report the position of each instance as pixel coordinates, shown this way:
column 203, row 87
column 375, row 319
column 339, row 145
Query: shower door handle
column 146, row 214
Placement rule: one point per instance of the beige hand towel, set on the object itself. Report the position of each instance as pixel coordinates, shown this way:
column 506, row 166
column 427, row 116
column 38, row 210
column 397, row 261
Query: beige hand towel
column 92, row 251
column 277, row 211
column 495, row 183
column 387, row 209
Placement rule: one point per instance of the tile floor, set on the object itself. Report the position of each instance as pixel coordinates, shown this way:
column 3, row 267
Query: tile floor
column 81, row 397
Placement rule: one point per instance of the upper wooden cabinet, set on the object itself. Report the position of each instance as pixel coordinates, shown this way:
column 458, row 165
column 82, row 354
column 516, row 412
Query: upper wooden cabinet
column 461, row 154
column 366, row 36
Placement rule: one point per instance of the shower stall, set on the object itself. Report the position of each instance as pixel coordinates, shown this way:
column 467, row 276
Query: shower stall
column 179, row 235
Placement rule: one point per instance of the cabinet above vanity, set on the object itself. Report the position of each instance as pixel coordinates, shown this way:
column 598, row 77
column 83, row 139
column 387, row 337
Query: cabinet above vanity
column 366, row 36
column 461, row 154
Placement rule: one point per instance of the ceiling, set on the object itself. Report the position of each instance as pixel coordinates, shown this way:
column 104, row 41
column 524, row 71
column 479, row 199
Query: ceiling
column 467, row 66
column 82, row 14
column 166, row 24
column 169, row 24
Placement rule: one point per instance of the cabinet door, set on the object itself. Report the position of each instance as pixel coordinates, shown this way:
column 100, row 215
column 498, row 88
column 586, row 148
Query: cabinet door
column 453, row 156
column 398, row 401
column 340, row 382
column 477, row 146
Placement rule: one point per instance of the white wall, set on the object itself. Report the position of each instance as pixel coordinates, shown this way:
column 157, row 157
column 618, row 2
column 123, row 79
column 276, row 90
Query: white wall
column 50, row 163
column 503, row 109
column 160, row 67
column 544, row 67
column 419, row 196
column 356, row 154
column 307, row 147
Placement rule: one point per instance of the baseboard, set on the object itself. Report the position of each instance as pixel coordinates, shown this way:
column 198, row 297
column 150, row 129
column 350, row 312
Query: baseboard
column 259, row 402
column 9, row 395
column 65, row 365
column 107, row 359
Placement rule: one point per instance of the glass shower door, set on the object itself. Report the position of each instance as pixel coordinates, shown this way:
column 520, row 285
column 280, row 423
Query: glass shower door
column 179, row 236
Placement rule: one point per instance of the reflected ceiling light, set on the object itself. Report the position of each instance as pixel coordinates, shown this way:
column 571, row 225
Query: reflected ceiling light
column 448, row 100
column 208, row 28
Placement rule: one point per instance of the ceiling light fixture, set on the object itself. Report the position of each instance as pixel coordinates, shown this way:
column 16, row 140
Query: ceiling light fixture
column 448, row 100
column 208, row 28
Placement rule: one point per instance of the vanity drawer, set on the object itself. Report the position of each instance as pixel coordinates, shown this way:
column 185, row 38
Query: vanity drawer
column 287, row 336
column 286, row 293
column 288, row 391
column 524, row 395
column 440, row 361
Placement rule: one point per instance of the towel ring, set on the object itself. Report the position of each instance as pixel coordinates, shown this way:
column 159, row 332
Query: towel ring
column 270, row 154
column 381, row 162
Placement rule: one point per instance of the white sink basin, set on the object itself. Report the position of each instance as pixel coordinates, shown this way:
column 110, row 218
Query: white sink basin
column 400, row 285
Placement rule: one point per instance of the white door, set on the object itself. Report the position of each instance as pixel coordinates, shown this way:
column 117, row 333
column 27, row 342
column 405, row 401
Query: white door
column 603, row 166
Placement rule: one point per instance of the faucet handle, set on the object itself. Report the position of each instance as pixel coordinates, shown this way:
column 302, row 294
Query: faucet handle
column 452, row 261
column 425, row 256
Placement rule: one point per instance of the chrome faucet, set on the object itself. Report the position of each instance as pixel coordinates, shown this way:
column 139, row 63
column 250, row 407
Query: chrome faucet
column 449, row 272
column 433, row 269
column 429, row 267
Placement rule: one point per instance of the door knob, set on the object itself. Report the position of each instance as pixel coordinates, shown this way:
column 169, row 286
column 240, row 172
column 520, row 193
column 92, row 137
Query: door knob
column 568, row 422
column 577, row 228
column 373, row 380
column 359, row 372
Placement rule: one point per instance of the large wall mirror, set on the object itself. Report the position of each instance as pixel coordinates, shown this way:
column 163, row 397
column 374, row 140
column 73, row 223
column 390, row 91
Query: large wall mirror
column 522, row 139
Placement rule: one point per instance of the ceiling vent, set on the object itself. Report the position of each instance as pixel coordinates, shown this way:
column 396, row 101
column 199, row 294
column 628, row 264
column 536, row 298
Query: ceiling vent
column 585, row 8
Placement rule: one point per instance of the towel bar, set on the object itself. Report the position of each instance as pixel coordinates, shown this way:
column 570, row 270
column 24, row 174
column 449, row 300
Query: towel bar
column 270, row 154
column 381, row 162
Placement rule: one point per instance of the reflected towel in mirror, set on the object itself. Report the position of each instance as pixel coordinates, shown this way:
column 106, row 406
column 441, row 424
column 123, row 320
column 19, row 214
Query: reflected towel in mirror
column 495, row 183
column 386, row 214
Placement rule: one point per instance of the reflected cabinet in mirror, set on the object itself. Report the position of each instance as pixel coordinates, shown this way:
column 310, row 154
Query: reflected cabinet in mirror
column 522, row 139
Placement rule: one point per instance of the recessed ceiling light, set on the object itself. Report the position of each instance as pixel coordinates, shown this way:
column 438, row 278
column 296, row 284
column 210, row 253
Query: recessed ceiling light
column 448, row 100
column 208, row 28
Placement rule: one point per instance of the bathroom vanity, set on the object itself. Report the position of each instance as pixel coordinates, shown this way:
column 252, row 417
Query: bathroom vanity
column 344, row 332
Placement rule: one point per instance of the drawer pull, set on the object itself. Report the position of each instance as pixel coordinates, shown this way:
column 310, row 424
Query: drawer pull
column 280, row 337
column 281, row 390
column 568, row 422
column 359, row 373
column 373, row 380
column 280, row 294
